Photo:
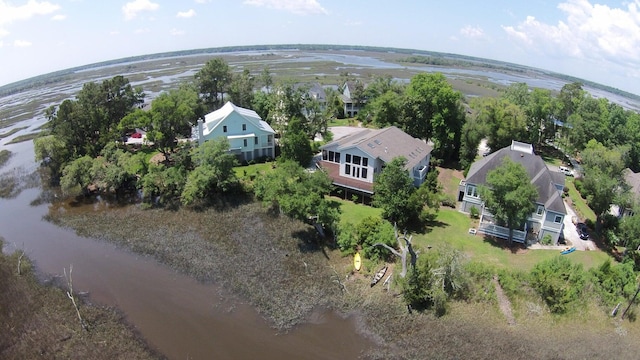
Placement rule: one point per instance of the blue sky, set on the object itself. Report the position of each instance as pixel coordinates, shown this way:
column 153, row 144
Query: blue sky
column 597, row 40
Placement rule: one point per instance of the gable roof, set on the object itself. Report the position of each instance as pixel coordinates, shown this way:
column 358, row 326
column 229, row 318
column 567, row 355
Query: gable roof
column 215, row 118
column 540, row 175
column 633, row 180
column 384, row 144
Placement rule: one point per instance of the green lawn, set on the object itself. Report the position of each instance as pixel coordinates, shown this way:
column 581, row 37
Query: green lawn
column 339, row 122
column 451, row 227
column 579, row 204
column 353, row 213
column 247, row 171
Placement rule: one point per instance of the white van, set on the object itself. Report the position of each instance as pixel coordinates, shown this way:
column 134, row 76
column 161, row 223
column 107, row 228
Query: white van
column 565, row 171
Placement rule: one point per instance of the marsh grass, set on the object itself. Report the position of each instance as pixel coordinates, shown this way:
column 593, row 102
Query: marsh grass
column 278, row 264
column 11, row 132
column 283, row 269
column 23, row 138
column 38, row 322
column 5, row 155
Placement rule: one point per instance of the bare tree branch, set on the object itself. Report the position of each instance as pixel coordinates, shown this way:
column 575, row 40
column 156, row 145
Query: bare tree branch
column 72, row 298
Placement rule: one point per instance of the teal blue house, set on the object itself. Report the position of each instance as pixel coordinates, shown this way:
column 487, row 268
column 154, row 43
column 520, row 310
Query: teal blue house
column 249, row 136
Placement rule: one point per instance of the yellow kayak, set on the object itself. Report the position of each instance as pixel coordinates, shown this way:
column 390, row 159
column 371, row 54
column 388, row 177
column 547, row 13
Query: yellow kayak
column 357, row 262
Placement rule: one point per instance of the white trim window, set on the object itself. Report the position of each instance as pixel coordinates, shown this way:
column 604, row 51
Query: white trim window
column 356, row 166
column 472, row 191
column 540, row 210
column 558, row 219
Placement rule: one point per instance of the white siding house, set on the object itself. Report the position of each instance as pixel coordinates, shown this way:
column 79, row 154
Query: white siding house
column 249, row 136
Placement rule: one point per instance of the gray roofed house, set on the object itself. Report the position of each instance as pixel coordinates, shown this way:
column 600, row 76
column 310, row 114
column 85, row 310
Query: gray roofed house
column 633, row 180
column 550, row 209
column 353, row 160
column 351, row 108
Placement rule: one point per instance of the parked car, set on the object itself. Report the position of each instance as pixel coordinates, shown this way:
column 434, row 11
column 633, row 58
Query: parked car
column 583, row 231
column 565, row 171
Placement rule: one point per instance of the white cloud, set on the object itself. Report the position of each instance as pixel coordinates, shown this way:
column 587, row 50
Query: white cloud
column 202, row 1
column 58, row 17
column 142, row 31
column 21, row 43
column 131, row 9
column 298, row 7
column 114, row 32
column 186, row 14
column 10, row 13
column 353, row 23
column 473, row 32
column 176, row 32
column 591, row 31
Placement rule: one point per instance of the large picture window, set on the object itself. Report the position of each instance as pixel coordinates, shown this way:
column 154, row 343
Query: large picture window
column 356, row 166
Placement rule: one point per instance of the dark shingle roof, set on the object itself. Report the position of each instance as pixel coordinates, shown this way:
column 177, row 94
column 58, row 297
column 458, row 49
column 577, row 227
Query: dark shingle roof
column 385, row 144
column 538, row 172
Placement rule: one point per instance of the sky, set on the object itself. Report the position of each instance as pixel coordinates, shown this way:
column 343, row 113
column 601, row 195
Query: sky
column 596, row 40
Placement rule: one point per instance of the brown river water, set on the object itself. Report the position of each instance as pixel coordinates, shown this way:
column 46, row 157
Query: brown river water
column 177, row 315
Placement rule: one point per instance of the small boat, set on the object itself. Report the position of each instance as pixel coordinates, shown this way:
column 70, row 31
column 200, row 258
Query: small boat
column 357, row 261
column 568, row 251
column 378, row 276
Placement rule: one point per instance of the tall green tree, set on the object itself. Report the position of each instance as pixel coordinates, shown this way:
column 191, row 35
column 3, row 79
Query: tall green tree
column 213, row 173
column 603, row 182
column 172, row 116
column 509, row 194
column 241, row 89
column 293, row 191
column 432, row 110
column 213, row 82
column 539, row 112
column 393, row 189
column 502, row 120
column 295, row 145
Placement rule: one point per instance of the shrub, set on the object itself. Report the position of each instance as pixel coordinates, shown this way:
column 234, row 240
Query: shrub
column 474, row 212
column 546, row 240
column 448, row 200
column 559, row 282
column 614, row 283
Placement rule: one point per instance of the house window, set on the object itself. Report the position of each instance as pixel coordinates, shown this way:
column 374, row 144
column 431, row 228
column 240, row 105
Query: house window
column 540, row 210
column 224, row 128
column 245, row 142
column 356, row 172
column 472, row 191
column 331, row 156
column 244, row 127
column 356, row 160
column 269, row 138
column 365, row 161
column 255, row 140
column 325, row 155
column 347, row 169
column 364, row 173
column 558, row 219
column 337, row 159
column 348, row 158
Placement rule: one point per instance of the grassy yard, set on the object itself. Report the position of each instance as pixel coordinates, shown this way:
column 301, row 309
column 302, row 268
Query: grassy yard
column 354, row 213
column 579, row 204
column 451, row 227
column 247, row 171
